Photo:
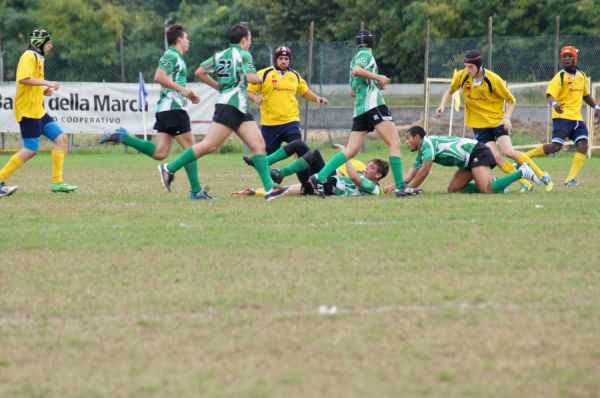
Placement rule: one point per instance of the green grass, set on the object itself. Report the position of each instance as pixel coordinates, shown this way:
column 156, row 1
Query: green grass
column 122, row 290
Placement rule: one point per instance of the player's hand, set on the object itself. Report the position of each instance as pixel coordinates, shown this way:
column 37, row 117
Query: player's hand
column 48, row 92
column 259, row 99
column 322, row 100
column 507, row 124
column 558, row 107
column 53, row 85
column 339, row 147
column 383, row 81
column 352, row 93
column 440, row 111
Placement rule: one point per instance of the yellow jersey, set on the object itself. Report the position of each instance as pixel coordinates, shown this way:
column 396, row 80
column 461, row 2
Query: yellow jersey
column 569, row 90
column 29, row 100
column 279, row 92
column 484, row 103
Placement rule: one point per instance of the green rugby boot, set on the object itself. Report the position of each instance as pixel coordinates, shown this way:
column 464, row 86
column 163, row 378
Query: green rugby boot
column 63, row 187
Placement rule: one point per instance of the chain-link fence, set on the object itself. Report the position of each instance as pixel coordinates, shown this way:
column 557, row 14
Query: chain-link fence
column 516, row 59
column 330, row 61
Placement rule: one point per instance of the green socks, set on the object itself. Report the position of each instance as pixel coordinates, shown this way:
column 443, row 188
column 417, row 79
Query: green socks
column 262, row 168
column 191, row 170
column 188, row 156
column 146, row 147
column 277, row 156
column 294, row 167
column 336, row 161
column 500, row 183
column 396, row 166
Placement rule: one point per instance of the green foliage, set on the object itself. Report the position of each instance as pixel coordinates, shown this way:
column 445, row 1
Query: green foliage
column 87, row 32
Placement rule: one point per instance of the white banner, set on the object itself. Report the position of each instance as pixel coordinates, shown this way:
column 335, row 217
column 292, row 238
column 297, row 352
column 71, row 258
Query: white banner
column 95, row 108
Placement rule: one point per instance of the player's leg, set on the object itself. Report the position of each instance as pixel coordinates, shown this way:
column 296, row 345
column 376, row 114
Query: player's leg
column 312, row 160
column 460, row 182
column 355, row 142
column 121, row 136
column 54, row 132
column 217, row 134
column 249, row 133
column 389, row 134
column 507, row 149
column 186, row 140
column 31, row 130
column 162, row 148
column 560, row 131
column 580, row 137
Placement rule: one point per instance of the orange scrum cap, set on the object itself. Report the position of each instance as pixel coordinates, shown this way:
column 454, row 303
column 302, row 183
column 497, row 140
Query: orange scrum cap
column 570, row 50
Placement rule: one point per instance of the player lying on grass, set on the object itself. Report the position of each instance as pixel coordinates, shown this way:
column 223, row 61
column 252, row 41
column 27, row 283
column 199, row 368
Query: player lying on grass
column 474, row 161
column 354, row 178
column 232, row 68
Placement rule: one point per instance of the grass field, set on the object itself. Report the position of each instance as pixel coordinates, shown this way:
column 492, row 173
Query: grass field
column 122, row 290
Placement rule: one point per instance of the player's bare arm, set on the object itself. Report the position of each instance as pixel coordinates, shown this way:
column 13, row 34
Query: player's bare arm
column 161, row 77
column 361, row 72
column 202, row 75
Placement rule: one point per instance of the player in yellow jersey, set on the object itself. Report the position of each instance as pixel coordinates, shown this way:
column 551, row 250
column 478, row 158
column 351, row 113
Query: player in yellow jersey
column 32, row 117
column 485, row 93
column 565, row 94
column 279, row 112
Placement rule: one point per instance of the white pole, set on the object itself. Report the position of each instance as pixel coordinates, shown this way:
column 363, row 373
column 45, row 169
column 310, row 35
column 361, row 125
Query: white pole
column 144, row 122
column 451, row 116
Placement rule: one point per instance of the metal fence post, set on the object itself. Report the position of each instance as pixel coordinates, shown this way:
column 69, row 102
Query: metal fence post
column 556, row 43
column 311, row 36
column 426, row 69
column 490, row 21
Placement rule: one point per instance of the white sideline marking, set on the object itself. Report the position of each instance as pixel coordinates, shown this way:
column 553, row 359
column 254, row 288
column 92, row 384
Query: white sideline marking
column 322, row 310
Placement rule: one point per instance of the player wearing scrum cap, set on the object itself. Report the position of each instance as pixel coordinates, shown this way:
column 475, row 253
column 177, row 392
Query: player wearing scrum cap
column 370, row 113
column 279, row 112
column 32, row 117
column 485, row 93
column 565, row 94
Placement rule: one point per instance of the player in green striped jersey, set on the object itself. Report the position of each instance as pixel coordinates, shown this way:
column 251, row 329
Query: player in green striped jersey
column 172, row 119
column 232, row 69
column 473, row 159
column 370, row 113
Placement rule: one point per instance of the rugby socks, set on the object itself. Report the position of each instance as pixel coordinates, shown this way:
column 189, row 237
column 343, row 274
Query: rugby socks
column 578, row 161
column 58, row 160
column 536, row 152
column 294, row 167
column 499, row 184
column 277, row 156
column 336, row 161
column 146, row 147
column 187, row 156
column 470, row 188
column 191, row 170
column 13, row 164
column 396, row 166
column 262, row 168
column 509, row 168
column 523, row 158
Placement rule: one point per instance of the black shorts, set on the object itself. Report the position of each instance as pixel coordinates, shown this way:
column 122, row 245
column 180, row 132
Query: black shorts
column 481, row 156
column 173, row 122
column 368, row 120
column 489, row 134
column 230, row 116
column 328, row 187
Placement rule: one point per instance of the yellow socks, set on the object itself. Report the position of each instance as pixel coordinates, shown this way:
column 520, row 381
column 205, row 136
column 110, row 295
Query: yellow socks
column 14, row 163
column 526, row 159
column 578, row 161
column 509, row 168
column 58, row 159
column 536, row 152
